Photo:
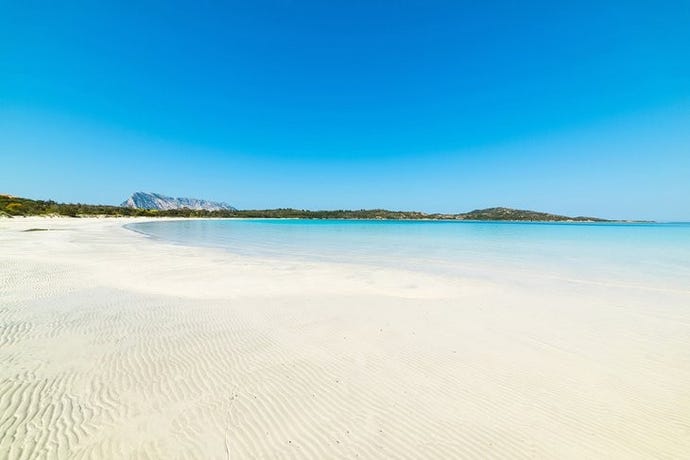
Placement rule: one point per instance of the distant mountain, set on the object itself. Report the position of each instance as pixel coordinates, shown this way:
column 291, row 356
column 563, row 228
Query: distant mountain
column 144, row 200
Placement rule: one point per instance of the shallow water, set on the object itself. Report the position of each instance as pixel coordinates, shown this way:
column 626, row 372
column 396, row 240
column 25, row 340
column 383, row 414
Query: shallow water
column 654, row 254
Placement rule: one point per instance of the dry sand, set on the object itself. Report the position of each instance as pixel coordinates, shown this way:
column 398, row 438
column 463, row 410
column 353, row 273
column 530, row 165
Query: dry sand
column 114, row 345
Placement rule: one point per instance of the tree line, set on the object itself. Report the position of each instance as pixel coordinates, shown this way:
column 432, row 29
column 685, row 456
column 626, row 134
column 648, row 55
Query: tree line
column 15, row 206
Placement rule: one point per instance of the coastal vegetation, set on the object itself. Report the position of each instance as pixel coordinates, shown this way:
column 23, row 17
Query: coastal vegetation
column 15, row 206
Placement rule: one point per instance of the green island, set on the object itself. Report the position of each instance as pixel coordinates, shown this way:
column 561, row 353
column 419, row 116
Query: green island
column 11, row 206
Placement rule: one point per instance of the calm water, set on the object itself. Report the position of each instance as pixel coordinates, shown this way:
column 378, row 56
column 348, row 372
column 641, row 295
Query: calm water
column 652, row 253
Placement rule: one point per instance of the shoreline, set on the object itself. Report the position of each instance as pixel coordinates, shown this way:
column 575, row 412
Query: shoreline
column 115, row 344
column 386, row 219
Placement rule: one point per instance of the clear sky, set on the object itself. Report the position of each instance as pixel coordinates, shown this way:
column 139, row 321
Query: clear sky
column 568, row 107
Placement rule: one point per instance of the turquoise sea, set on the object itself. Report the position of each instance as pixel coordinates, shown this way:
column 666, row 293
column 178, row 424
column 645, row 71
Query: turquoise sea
column 656, row 254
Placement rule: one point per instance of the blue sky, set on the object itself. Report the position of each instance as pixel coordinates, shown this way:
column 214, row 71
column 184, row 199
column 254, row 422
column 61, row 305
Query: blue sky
column 580, row 108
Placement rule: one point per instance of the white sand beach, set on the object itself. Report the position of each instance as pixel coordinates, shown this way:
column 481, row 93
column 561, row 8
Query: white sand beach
column 115, row 345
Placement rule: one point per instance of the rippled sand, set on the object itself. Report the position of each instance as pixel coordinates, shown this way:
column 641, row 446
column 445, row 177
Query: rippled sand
column 113, row 345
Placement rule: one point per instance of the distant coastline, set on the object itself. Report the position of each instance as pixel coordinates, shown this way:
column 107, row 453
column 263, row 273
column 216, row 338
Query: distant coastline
column 13, row 206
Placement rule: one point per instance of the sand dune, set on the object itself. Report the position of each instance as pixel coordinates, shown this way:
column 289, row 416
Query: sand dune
column 113, row 345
